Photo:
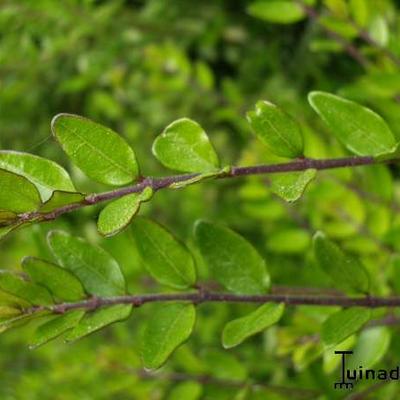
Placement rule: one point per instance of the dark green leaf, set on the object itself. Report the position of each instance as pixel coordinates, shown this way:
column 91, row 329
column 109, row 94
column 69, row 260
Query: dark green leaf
column 55, row 327
column 25, row 290
column 339, row 326
column 96, row 320
column 167, row 259
column 238, row 330
column 278, row 130
column 361, row 130
column 277, row 11
column 98, row 151
column 118, row 215
column 60, row 282
column 232, row 260
column 169, row 326
column 45, row 174
column 98, row 272
column 17, row 194
column 185, row 146
column 346, row 272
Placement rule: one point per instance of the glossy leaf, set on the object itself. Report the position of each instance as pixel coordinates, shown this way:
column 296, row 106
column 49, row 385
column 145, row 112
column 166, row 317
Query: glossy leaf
column 238, row 330
column 168, row 327
column 346, row 272
column 360, row 129
column 17, row 194
column 46, row 175
column 59, row 199
column 98, row 272
column 118, row 215
column 232, row 260
column 277, row 11
column 99, row 319
column 278, row 130
column 184, row 146
column 339, row 326
column 99, row 152
column 291, row 186
column 56, row 327
column 60, row 282
column 28, row 291
column 166, row 258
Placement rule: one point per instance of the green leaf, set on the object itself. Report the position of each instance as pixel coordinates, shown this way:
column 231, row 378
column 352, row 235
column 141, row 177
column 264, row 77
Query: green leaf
column 96, row 320
column 45, row 174
column 184, row 146
column 339, row 326
column 278, row 130
column 189, row 390
column 98, row 151
column 291, row 186
column 232, row 260
column 98, row 272
column 279, row 11
column 118, row 215
column 358, row 128
column 59, row 199
column 60, row 282
column 169, row 326
column 289, row 241
column 166, row 258
column 7, row 218
column 32, row 293
column 238, row 330
column 5, row 230
column 17, row 194
column 224, row 365
column 7, row 312
column 346, row 272
column 55, row 327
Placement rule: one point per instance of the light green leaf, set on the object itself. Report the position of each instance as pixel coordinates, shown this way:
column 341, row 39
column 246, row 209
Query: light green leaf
column 346, row 272
column 17, row 194
column 7, row 312
column 195, row 179
column 289, row 241
column 232, row 260
column 168, row 327
column 99, row 152
column 358, row 128
column 166, row 258
column 28, row 291
column 278, row 130
column 339, row 326
column 291, row 186
column 224, row 365
column 60, row 282
column 98, row 272
column 279, row 11
column 238, row 330
column 45, row 174
column 189, row 390
column 372, row 345
column 118, row 215
column 184, row 146
column 96, row 320
column 55, row 327
column 60, row 198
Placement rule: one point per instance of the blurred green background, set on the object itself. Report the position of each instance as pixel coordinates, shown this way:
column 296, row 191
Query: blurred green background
column 138, row 65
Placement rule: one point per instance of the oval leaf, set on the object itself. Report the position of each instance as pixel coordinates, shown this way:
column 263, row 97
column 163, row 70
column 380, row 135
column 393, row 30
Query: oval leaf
column 184, row 146
column 45, row 174
column 167, row 259
column 278, row 130
column 98, row 272
column 277, row 11
column 61, row 283
column 117, row 215
column 232, row 260
column 17, row 193
column 55, row 327
column 358, row 128
column 347, row 273
column 339, row 326
column 169, row 326
column 98, row 151
column 96, row 320
column 238, row 330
